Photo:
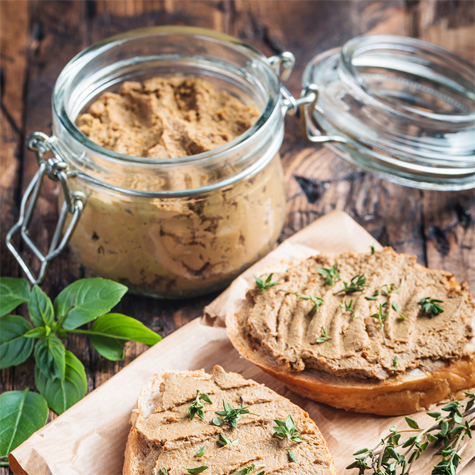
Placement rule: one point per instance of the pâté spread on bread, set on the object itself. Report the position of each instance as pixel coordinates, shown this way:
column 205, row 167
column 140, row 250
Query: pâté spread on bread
column 371, row 332
column 177, row 245
column 220, row 423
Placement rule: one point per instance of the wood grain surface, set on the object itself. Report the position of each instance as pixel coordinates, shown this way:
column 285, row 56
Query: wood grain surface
column 38, row 38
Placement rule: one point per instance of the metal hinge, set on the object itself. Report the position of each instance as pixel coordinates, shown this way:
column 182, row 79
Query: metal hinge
column 54, row 168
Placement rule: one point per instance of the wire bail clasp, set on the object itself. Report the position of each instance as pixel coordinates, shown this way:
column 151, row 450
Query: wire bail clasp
column 54, row 168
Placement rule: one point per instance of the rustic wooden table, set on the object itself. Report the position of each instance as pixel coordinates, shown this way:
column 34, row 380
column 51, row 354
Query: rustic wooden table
column 39, row 37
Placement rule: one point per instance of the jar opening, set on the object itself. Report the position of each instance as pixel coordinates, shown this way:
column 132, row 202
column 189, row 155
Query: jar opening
column 412, row 77
column 226, row 62
column 147, row 52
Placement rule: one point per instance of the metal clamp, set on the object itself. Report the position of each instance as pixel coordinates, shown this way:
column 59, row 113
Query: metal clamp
column 306, row 105
column 54, row 168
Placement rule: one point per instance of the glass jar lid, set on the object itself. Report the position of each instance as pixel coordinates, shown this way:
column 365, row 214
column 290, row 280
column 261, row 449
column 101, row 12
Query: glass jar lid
column 399, row 107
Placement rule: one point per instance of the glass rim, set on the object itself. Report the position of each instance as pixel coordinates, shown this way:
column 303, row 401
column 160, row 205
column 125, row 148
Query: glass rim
column 362, row 44
column 83, row 57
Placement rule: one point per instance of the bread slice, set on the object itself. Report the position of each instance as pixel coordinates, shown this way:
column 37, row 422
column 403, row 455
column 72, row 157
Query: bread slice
column 163, row 436
column 353, row 368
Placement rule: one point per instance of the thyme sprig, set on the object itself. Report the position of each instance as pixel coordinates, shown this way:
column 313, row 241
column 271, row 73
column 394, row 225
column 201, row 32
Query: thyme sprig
column 330, row 273
column 390, row 289
column 223, row 440
column 230, row 415
column 395, row 455
column 347, row 306
column 395, row 307
column 263, row 285
column 381, row 316
column 356, row 284
column 324, row 336
column 317, row 301
column 287, row 429
column 431, row 306
column 196, row 407
column 248, row 469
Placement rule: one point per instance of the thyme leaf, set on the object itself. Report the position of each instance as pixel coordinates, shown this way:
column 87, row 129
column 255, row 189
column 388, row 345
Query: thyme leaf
column 223, row 440
column 248, row 469
column 196, row 407
column 394, row 368
column 317, row 301
column 324, row 336
column 263, row 285
column 287, row 430
column 331, row 274
column 196, row 470
column 356, row 284
column 381, row 316
column 230, row 415
column 431, row 306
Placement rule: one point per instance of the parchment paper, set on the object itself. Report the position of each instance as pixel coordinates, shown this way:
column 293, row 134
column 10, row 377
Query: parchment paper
column 89, row 438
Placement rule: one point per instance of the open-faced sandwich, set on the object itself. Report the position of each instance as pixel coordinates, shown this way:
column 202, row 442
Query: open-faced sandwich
column 220, row 423
column 372, row 332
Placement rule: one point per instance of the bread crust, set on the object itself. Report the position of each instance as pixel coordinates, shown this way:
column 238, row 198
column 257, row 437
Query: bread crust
column 410, row 392
column 133, row 454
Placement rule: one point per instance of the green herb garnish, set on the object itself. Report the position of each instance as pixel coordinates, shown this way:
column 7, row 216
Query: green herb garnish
column 287, row 429
column 200, row 452
column 196, row 407
column 431, row 306
column 196, row 469
column 394, row 364
column 324, row 336
column 204, row 396
column 223, row 440
column 164, row 471
column 230, row 415
column 372, row 249
column 331, row 274
column 248, row 469
column 317, row 301
column 347, row 307
column 292, row 456
column 263, row 285
column 395, row 454
column 380, row 316
column 357, row 284
column 395, row 307
column 374, row 296
column 390, row 289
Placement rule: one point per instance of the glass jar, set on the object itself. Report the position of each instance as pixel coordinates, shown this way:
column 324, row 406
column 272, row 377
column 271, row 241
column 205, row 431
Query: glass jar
column 168, row 227
column 399, row 107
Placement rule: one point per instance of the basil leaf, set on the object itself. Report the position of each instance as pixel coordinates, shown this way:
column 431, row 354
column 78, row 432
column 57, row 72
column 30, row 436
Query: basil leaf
column 15, row 348
column 22, row 413
column 39, row 332
column 110, row 332
column 40, row 308
column 49, row 356
column 87, row 299
column 61, row 395
column 13, row 292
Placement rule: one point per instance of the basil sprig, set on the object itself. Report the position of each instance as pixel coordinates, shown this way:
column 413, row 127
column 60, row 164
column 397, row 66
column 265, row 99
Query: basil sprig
column 59, row 376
